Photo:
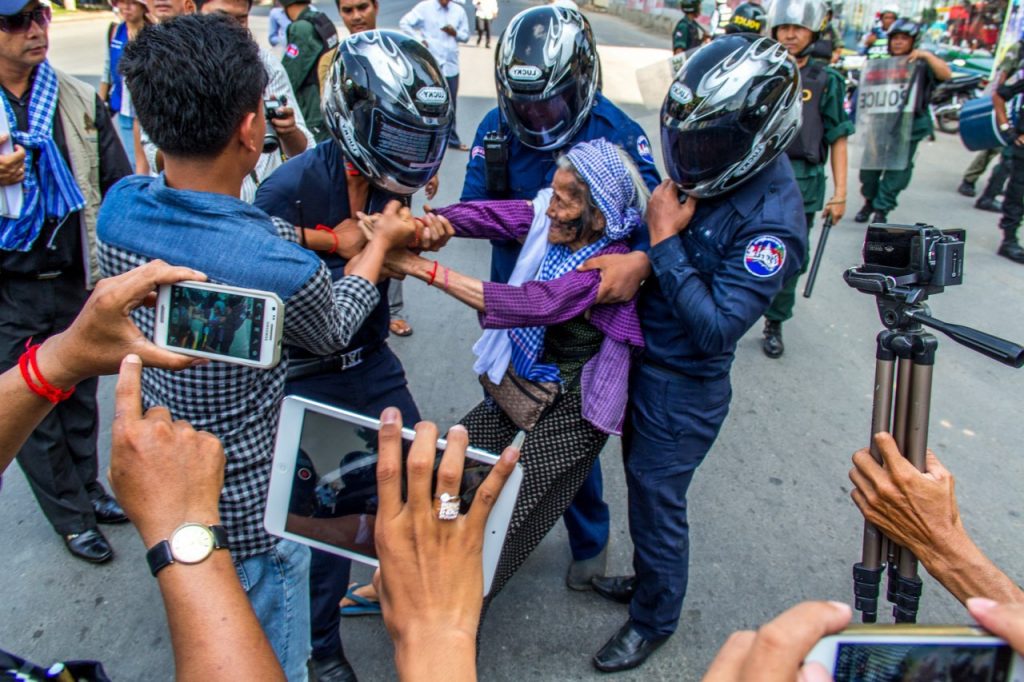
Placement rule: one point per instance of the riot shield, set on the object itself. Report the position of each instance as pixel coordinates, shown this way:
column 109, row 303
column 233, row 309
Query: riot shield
column 885, row 112
column 655, row 79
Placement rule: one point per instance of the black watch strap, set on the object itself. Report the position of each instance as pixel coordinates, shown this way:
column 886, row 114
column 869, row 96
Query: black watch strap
column 159, row 555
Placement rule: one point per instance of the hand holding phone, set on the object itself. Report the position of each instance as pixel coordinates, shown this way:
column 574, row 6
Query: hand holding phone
column 775, row 653
column 224, row 323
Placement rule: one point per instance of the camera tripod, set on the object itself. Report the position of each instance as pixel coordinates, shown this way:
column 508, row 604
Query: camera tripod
column 905, row 352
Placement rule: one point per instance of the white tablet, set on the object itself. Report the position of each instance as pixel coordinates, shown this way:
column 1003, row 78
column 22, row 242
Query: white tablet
column 323, row 485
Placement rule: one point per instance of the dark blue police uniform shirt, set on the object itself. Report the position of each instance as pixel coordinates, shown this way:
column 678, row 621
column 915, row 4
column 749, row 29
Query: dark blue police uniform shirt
column 531, row 170
column 715, row 280
column 317, row 177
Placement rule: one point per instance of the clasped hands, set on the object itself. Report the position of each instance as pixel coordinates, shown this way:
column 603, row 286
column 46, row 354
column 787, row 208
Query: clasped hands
column 428, row 232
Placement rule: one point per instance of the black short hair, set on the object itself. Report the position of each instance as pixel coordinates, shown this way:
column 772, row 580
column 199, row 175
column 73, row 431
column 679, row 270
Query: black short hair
column 193, row 79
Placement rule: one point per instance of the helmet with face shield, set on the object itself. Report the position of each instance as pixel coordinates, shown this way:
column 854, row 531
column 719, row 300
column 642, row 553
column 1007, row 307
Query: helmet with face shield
column 387, row 104
column 546, row 71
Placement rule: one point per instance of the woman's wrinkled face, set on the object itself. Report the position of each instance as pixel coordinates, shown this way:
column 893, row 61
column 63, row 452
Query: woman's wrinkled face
column 566, row 210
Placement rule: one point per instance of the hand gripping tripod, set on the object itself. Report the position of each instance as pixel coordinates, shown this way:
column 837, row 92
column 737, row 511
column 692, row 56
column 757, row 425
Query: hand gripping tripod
column 906, row 352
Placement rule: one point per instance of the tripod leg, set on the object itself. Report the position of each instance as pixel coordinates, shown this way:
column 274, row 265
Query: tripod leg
column 915, row 448
column 904, row 381
column 867, row 574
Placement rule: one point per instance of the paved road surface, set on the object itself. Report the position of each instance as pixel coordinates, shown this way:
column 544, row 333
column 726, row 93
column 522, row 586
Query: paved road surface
column 772, row 521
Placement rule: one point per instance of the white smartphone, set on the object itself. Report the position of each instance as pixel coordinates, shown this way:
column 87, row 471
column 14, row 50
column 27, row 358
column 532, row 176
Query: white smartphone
column 909, row 653
column 229, row 324
column 323, row 485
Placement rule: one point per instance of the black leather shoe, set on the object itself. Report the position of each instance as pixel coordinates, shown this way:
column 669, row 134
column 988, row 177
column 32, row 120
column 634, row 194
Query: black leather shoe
column 333, row 669
column 988, row 204
column 863, row 214
column 966, row 188
column 89, row 545
column 1013, row 251
column 772, row 344
column 626, row 650
column 616, row 588
column 107, row 510
column 880, row 217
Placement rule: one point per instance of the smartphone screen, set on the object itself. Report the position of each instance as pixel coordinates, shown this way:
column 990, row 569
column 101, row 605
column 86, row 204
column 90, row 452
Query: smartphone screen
column 903, row 662
column 334, row 490
column 215, row 322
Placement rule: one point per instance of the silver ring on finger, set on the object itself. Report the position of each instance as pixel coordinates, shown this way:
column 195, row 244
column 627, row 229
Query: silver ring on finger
column 448, row 509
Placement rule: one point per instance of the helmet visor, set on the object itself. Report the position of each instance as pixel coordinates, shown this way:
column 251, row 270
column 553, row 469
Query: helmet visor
column 688, row 151
column 544, row 123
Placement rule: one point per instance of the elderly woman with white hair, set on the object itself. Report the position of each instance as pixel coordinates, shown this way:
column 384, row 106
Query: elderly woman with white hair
column 553, row 362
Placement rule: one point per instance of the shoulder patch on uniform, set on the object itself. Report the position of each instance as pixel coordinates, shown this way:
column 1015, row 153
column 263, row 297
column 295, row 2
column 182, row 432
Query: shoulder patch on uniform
column 292, row 50
column 478, row 152
column 764, row 256
column 643, row 149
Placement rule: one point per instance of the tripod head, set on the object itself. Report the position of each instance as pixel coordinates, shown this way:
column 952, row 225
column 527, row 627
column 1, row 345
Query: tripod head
column 903, row 266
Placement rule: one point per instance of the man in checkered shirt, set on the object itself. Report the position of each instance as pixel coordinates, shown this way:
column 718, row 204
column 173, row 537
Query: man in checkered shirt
column 210, row 128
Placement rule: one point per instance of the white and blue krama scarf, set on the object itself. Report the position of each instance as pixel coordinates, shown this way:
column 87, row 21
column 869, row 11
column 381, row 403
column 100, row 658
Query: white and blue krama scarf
column 49, row 187
column 611, row 187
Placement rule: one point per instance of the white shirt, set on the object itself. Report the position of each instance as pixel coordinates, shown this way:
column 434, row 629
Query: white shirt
column 277, row 85
column 486, row 9
column 424, row 22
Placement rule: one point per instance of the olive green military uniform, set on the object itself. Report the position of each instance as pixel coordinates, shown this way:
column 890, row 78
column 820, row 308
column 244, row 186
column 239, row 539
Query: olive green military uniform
column 882, row 187
column 811, row 180
column 687, row 34
column 300, row 62
column 1009, row 66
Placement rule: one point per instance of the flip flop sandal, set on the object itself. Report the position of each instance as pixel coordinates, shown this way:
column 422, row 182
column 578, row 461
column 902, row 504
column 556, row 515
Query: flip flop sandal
column 400, row 327
column 362, row 605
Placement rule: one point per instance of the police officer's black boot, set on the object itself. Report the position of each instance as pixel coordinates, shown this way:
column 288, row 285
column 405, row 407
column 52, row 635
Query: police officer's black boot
column 772, row 344
column 1012, row 250
column 991, row 204
column 880, row 217
column 863, row 214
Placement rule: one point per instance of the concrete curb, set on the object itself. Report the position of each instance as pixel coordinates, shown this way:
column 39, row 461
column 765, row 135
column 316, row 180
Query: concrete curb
column 662, row 20
column 84, row 15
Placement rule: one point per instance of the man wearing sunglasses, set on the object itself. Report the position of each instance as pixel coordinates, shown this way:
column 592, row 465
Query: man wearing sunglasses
column 66, row 153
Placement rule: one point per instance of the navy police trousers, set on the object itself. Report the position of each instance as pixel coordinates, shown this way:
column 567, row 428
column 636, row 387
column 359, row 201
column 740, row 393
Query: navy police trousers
column 671, row 424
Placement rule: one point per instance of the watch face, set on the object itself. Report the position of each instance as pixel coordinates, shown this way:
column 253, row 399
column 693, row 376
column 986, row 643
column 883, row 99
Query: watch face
column 191, row 543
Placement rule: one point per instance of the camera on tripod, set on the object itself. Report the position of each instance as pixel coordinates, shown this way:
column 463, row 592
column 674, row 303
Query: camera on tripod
column 272, row 109
column 909, row 262
column 915, row 254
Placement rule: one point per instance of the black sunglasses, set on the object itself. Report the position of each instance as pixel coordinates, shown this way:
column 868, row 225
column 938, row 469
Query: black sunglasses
column 20, row 23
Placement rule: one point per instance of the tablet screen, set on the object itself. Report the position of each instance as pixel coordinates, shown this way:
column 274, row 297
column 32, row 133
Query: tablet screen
column 333, row 496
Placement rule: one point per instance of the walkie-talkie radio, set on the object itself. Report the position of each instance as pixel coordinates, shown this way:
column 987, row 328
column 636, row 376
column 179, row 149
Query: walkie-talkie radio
column 496, row 163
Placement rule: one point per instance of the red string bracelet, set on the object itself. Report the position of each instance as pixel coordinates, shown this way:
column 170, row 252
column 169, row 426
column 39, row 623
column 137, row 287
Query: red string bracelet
column 44, row 389
column 334, row 237
column 433, row 274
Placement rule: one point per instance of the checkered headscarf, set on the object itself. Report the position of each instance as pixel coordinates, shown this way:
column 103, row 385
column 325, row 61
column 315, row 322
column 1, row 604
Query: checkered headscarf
column 600, row 166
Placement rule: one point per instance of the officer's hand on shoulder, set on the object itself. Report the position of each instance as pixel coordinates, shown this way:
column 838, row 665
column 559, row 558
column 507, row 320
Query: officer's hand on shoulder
column 666, row 217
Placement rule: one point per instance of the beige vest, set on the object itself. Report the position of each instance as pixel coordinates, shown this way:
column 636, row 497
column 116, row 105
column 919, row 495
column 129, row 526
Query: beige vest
column 76, row 104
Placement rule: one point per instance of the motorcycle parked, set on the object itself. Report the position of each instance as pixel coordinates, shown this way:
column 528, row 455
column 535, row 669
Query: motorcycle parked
column 948, row 98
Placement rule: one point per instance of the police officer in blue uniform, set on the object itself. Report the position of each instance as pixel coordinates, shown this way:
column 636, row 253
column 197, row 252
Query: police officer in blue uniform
column 717, row 261
column 318, row 188
column 550, row 49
